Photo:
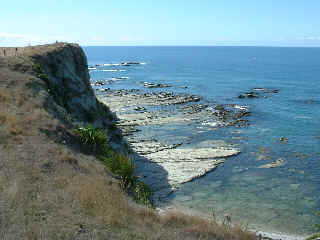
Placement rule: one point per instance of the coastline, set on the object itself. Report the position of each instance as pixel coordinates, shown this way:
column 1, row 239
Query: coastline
column 265, row 235
column 55, row 156
column 138, row 112
column 174, row 160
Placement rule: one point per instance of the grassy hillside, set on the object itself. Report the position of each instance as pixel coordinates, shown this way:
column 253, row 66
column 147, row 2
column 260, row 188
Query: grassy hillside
column 53, row 183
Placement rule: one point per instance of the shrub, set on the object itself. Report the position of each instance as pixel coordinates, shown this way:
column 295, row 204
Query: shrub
column 143, row 194
column 122, row 167
column 96, row 138
column 43, row 76
column 40, row 74
column 37, row 68
column 118, row 164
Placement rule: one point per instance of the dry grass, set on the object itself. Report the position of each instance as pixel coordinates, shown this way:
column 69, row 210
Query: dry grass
column 49, row 189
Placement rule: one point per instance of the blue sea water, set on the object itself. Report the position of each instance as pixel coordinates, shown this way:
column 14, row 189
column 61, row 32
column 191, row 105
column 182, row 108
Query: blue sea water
column 283, row 199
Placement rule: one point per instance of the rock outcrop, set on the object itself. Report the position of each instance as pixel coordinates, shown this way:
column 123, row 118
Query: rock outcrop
column 68, row 80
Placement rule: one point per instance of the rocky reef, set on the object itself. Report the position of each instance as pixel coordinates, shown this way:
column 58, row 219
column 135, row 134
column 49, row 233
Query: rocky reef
column 151, row 120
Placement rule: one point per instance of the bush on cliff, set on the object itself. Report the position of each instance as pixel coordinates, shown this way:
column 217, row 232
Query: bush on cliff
column 118, row 164
column 95, row 138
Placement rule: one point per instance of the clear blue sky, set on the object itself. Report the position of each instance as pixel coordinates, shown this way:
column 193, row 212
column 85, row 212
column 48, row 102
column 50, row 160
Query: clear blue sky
column 165, row 22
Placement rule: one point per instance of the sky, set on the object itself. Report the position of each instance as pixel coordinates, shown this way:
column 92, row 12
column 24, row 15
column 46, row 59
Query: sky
column 166, row 22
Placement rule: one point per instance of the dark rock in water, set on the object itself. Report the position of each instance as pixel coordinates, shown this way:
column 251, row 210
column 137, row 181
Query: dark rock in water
column 249, row 95
column 266, row 90
column 155, row 85
column 283, row 139
column 140, row 109
column 252, row 95
column 99, row 83
column 133, row 63
column 194, row 108
column 258, row 93
column 129, row 63
column 219, row 108
column 125, row 64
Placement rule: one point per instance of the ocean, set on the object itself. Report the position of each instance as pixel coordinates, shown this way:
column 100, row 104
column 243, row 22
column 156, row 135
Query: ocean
column 283, row 124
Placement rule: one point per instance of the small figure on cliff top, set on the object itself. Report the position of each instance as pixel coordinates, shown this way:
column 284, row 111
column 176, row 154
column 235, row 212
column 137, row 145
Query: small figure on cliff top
column 4, row 52
column 16, row 51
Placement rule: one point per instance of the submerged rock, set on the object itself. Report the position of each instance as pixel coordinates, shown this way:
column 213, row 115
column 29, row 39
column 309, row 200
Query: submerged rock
column 249, row 95
column 166, row 166
column 99, row 83
column 180, row 165
column 274, row 164
column 155, row 85
column 258, row 93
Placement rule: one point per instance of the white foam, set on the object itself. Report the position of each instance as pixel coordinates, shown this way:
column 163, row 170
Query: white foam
column 92, row 68
column 119, row 78
column 111, row 64
column 112, row 70
column 211, row 124
column 279, row 236
column 240, row 107
column 121, row 64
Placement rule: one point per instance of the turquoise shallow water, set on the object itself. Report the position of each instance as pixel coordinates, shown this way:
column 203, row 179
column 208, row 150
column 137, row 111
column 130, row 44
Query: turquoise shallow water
column 283, row 199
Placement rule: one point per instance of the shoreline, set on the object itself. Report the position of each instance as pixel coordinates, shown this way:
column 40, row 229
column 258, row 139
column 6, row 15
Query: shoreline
column 139, row 112
column 265, row 235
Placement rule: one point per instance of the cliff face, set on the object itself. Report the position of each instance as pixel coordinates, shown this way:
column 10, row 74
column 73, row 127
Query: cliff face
column 66, row 68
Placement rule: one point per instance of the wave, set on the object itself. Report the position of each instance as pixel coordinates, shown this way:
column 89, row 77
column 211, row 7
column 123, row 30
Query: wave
column 106, row 70
column 120, row 64
column 119, row 78
column 112, row 70
column 212, row 123
column 241, row 107
column 110, row 64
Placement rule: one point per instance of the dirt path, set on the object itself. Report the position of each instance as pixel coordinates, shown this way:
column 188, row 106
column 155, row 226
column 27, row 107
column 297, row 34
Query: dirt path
column 29, row 50
column 10, row 51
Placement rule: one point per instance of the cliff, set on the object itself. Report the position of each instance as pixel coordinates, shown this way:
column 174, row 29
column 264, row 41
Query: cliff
column 51, row 186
